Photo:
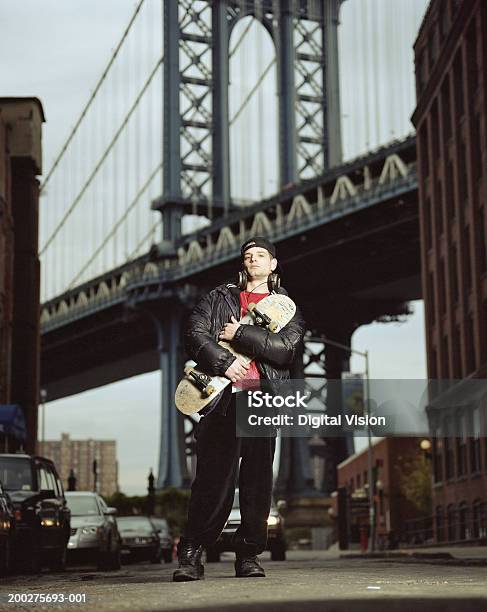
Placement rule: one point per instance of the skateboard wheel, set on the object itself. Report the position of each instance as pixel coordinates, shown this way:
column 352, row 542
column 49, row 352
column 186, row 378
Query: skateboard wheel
column 273, row 326
column 209, row 390
column 251, row 306
column 188, row 370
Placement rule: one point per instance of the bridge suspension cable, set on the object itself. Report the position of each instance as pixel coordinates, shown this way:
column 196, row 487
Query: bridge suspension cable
column 92, row 95
column 103, row 157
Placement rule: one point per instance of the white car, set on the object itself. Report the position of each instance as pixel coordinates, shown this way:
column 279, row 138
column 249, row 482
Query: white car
column 94, row 530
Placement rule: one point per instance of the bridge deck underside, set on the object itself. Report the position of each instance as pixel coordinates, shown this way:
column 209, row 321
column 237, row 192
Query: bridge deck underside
column 368, row 258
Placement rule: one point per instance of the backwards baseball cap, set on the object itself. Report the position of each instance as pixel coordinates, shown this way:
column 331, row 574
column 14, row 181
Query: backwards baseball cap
column 258, row 241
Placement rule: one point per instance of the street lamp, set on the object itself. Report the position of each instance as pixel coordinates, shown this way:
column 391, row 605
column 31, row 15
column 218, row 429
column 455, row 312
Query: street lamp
column 43, row 421
column 370, row 453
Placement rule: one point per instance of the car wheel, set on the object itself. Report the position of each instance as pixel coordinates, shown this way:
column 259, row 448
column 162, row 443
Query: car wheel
column 5, row 557
column 33, row 564
column 156, row 557
column 114, row 562
column 212, row 555
column 278, row 552
column 58, row 564
column 168, row 556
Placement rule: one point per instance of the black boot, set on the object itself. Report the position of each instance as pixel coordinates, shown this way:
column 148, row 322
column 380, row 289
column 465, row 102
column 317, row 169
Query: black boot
column 190, row 566
column 246, row 565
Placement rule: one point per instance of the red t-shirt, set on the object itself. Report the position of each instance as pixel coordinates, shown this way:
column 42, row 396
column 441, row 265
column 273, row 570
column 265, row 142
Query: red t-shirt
column 246, row 298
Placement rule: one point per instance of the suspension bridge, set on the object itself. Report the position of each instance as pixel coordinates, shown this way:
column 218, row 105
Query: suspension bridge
column 213, row 121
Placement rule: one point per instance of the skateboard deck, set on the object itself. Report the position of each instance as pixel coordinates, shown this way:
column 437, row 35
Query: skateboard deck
column 197, row 389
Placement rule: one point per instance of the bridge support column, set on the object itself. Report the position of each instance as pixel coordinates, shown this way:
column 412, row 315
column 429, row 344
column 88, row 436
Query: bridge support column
column 288, row 171
column 294, row 478
column 172, row 459
column 337, row 360
column 172, row 470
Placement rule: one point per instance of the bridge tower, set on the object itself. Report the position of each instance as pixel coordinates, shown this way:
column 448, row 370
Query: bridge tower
column 196, row 152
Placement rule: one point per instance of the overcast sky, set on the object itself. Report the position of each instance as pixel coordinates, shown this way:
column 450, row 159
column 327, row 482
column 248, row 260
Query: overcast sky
column 56, row 51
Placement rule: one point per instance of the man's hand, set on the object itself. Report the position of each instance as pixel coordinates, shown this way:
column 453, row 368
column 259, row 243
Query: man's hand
column 229, row 330
column 236, row 371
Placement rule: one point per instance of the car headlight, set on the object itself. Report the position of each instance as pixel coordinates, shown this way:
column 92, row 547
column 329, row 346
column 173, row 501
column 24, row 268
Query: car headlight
column 49, row 522
column 273, row 520
column 91, row 530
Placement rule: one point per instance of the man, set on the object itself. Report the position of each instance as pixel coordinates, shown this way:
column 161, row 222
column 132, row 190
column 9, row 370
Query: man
column 218, row 449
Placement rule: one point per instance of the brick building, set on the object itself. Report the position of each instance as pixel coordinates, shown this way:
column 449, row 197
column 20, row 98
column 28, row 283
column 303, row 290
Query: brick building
column 393, row 511
column 451, row 123
column 20, row 162
column 78, row 455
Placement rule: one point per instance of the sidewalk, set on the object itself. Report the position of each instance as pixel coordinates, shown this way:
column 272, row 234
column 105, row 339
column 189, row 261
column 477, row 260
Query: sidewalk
column 473, row 555
column 309, row 581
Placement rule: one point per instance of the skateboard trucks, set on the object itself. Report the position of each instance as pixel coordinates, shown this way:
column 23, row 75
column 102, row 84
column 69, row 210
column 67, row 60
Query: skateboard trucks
column 261, row 319
column 202, row 381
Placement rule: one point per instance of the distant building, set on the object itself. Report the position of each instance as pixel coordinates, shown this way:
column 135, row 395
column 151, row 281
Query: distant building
column 451, row 123
column 393, row 512
column 79, row 455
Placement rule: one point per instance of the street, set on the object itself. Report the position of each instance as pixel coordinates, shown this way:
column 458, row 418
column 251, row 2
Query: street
column 308, row 580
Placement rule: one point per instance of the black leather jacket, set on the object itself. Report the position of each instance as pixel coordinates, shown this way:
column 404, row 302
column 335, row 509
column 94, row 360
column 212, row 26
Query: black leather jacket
column 273, row 352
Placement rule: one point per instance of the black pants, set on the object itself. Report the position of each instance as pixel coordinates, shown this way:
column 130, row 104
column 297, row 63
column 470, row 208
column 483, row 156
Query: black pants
column 218, row 451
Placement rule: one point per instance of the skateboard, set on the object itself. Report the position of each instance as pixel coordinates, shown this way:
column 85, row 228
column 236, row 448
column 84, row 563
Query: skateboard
column 197, row 389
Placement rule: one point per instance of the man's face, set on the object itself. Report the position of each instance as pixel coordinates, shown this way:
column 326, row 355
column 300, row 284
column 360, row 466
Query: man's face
column 259, row 263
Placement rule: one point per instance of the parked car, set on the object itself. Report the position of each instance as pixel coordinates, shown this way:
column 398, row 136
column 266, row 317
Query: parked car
column 94, row 530
column 42, row 517
column 165, row 537
column 140, row 539
column 7, row 531
column 276, row 542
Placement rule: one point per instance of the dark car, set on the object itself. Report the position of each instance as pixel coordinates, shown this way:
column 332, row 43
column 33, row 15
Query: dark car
column 42, row 517
column 276, row 542
column 94, row 531
column 7, row 531
column 167, row 542
column 140, row 539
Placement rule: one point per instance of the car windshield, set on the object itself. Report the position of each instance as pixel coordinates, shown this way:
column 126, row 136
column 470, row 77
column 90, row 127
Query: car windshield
column 161, row 524
column 82, row 505
column 16, row 474
column 136, row 523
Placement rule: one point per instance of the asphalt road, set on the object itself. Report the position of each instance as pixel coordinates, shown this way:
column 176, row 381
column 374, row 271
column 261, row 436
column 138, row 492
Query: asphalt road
column 307, row 581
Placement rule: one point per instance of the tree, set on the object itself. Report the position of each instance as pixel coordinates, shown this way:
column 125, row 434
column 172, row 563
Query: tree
column 415, row 481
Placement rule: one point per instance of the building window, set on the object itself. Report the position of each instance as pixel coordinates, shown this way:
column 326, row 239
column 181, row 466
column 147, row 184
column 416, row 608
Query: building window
column 446, row 110
column 479, row 520
column 461, row 442
column 463, row 529
column 458, row 84
column 472, row 61
column 440, row 524
column 477, row 165
column 431, row 297
column 439, row 208
column 451, row 523
column 444, row 23
column 462, row 174
column 467, row 264
column 437, row 457
column 482, row 240
column 423, row 150
column 470, row 345
column 475, row 441
column 435, row 130
column 457, row 353
column 442, row 287
column 445, row 368
column 449, row 191
column 448, row 446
